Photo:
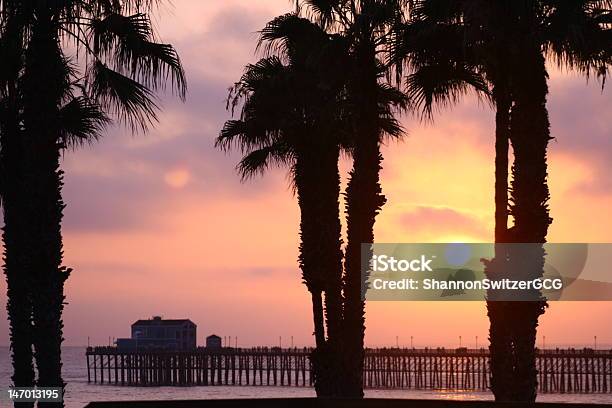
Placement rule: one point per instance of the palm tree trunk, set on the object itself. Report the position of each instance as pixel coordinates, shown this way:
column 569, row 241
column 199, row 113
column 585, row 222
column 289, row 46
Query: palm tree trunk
column 530, row 134
column 317, row 314
column 330, row 259
column 43, row 86
column 16, row 258
column 502, row 139
column 17, row 265
column 49, row 274
column 364, row 200
column 324, row 177
column 500, row 341
column 20, row 327
column 318, row 188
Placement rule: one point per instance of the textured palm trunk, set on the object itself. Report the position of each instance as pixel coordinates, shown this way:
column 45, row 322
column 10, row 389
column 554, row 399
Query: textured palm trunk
column 318, row 188
column 502, row 140
column 363, row 203
column 41, row 203
column 49, row 274
column 364, row 200
column 330, row 244
column 500, row 339
column 530, row 134
column 318, row 316
column 16, row 258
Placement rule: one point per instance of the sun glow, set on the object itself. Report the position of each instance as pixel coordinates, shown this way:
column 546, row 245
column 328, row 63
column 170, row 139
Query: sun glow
column 178, row 178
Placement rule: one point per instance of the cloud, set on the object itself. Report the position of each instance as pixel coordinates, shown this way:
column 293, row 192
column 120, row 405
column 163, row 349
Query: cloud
column 220, row 36
column 580, row 125
column 442, row 221
column 103, row 204
column 579, row 115
column 123, row 181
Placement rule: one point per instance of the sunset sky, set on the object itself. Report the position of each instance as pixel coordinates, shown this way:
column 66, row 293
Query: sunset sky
column 159, row 224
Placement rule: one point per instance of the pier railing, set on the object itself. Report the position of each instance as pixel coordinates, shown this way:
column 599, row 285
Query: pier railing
column 559, row 371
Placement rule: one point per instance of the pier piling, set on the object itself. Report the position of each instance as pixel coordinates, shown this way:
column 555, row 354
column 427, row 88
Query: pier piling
column 559, row 371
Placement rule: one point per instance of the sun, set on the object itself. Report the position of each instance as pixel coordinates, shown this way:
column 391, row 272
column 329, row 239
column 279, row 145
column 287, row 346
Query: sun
column 177, row 178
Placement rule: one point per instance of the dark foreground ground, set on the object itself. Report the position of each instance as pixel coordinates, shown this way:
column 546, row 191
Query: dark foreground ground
column 330, row 403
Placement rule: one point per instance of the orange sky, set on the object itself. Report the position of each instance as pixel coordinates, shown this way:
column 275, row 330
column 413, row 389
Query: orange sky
column 160, row 224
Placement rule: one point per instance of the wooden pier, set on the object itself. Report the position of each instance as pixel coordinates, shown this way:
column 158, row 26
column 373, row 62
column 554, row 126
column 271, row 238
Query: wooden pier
column 559, row 371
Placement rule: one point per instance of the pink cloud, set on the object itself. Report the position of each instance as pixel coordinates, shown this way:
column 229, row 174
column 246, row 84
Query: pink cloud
column 442, row 221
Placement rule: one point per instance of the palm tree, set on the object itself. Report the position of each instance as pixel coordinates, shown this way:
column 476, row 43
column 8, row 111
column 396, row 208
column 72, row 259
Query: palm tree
column 447, row 57
column 576, row 35
column 366, row 25
column 53, row 106
column 301, row 116
column 506, row 43
column 291, row 116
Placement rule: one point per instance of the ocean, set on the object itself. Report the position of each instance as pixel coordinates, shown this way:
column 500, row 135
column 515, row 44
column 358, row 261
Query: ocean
column 79, row 393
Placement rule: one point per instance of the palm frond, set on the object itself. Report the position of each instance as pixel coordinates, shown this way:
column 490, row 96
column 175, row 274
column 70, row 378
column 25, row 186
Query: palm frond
column 258, row 161
column 246, row 135
column 390, row 126
column 11, row 51
column 437, row 10
column 136, row 5
column 81, row 122
column 420, row 43
column 132, row 102
column 288, row 98
column 127, row 42
column 253, row 78
column 391, row 96
column 390, row 101
column 108, row 30
column 323, row 12
column 578, row 36
column 104, row 7
column 101, row 8
column 289, row 34
column 441, row 85
column 384, row 14
column 153, row 64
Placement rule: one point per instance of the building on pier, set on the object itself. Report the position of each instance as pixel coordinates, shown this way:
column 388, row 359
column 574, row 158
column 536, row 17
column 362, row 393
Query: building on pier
column 161, row 334
column 213, row 342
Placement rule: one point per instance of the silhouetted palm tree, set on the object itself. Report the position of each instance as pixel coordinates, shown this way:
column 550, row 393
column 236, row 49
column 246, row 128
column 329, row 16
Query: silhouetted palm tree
column 446, row 57
column 306, row 103
column 506, row 42
column 291, row 116
column 51, row 102
column 575, row 34
column 365, row 24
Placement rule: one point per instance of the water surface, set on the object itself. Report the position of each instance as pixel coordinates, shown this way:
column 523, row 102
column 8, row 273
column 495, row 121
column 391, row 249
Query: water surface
column 79, row 392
